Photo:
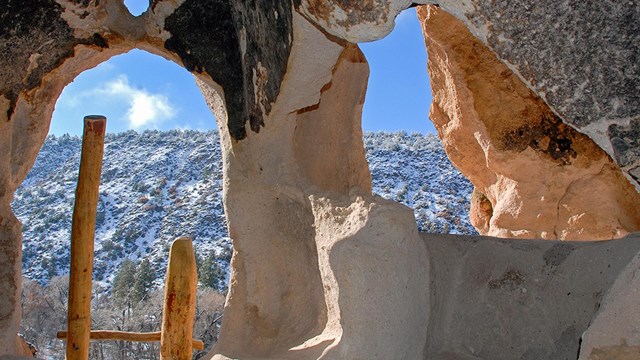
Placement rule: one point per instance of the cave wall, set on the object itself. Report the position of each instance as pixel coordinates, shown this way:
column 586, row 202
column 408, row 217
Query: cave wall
column 532, row 299
column 312, row 247
column 580, row 57
column 530, row 170
column 321, row 268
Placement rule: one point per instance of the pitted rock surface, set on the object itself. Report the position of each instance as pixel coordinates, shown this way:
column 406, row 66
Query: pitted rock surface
column 354, row 21
column 626, row 146
column 581, row 57
column 502, row 135
column 34, row 40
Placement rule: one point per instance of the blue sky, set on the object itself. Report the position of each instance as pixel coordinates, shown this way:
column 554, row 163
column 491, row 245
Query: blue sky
column 398, row 94
column 142, row 91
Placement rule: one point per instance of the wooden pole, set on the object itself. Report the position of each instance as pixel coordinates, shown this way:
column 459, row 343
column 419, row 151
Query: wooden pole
column 129, row 336
column 179, row 302
column 82, row 238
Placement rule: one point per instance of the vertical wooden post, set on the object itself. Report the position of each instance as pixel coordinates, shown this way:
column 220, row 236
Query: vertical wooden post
column 179, row 302
column 82, row 238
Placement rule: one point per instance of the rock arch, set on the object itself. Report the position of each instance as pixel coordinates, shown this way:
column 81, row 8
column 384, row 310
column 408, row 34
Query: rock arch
column 47, row 43
column 317, row 259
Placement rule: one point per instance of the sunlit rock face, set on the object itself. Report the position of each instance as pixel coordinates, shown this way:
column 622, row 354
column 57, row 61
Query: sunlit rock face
column 530, row 170
column 536, row 105
column 580, row 58
column 315, row 253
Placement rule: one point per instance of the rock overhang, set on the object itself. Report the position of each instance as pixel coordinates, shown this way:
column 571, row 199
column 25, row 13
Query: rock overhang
column 248, row 49
column 244, row 46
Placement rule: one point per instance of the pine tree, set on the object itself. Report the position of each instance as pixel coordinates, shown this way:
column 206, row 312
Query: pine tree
column 143, row 280
column 49, row 265
column 198, row 264
column 123, row 283
column 210, row 273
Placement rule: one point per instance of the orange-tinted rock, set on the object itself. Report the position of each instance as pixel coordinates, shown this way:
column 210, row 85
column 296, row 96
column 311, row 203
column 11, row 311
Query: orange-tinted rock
column 541, row 177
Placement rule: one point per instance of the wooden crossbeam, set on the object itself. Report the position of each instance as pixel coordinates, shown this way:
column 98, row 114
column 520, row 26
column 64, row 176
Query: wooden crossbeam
column 129, row 336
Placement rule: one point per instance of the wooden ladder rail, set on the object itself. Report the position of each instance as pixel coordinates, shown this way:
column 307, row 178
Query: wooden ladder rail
column 176, row 335
column 178, row 312
column 179, row 307
column 129, row 336
column 82, row 238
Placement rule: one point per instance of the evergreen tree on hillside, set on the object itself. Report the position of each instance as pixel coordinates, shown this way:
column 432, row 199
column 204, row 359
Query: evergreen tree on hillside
column 143, row 280
column 49, row 265
column 198, row 264
column 210, row 273
column 123, row 283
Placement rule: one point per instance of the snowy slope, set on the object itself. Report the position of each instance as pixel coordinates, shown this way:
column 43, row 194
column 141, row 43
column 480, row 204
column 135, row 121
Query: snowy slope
column 157, row 186
column 414, row 170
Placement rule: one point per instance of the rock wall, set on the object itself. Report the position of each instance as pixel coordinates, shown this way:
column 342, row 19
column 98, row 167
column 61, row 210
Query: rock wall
column 581, row 58
column 304, row 224
column 532, row 299
column 613, row 333
column 528, row 167
column 321, row 268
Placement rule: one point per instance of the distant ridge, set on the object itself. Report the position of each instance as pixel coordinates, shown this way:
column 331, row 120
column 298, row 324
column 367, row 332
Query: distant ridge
column 160, row 185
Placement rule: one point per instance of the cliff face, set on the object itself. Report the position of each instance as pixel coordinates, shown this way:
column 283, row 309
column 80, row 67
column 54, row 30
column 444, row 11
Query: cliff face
column 305, row 227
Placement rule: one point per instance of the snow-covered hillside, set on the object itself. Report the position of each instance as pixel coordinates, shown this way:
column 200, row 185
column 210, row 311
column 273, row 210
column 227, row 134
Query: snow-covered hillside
column 157, row 186
column 414, row 170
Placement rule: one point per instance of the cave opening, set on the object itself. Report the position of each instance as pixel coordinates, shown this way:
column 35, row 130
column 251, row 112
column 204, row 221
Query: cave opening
column 416, row 171
column 161, row 179
column 136, row 7
column 398, row 91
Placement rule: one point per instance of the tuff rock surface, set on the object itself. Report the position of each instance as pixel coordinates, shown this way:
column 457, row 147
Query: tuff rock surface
column 532, row 299
column 322, row 269
column 530, row 170
column 614, row 333
column 581, row 58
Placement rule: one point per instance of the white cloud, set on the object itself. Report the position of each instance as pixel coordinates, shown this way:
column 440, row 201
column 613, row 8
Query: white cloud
column 70, row 100
column 144, row 109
